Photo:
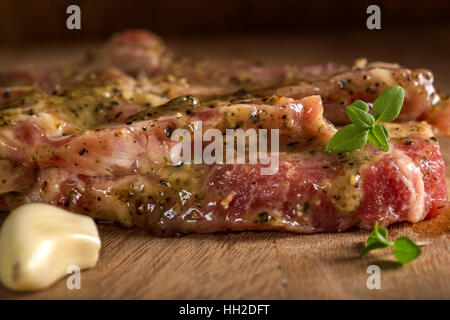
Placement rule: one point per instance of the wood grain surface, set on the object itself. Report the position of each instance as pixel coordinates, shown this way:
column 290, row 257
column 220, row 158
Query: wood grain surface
column 262, row 265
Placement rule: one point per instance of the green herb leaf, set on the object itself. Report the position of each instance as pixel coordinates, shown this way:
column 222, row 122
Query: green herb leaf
column 382, row 232
column 405, row 250
column 361, row 105
column 349, row 138
column 377, row 137
column 359, row 117
column 378, row 234
column 377, row 240
column 386, row 131
column 364, row 126
column 388, row 104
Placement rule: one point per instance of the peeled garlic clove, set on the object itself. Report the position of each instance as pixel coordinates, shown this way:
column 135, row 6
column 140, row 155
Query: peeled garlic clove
column 38, row 242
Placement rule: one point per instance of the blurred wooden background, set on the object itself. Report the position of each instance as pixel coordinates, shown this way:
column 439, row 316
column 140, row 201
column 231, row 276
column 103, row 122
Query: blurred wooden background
column 44, row 20
column 414, row 33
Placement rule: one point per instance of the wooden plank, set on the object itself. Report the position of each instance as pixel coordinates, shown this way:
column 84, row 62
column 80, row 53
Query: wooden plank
column 254, row 265
column 215, row 266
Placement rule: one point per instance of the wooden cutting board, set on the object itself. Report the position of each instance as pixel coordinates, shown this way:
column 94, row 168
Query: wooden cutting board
column 260, row 265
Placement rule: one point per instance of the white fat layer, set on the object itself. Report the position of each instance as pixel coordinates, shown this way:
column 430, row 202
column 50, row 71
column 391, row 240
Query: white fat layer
column 411, row 175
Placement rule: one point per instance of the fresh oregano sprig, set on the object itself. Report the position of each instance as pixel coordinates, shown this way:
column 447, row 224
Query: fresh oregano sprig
column 365, row 126
column 405, row 250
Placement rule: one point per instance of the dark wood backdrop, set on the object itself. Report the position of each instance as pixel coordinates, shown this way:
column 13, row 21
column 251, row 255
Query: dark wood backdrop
column 44, row 20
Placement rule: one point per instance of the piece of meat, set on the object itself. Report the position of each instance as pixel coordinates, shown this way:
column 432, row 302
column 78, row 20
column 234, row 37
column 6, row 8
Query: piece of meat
column 439, row 116
column 15, row 177
column 92, row 99
column 340, row 89
column 118, row 173
column 95, row 138
column 9, row 94
column 142, row 145
column 142, row 54
column 47, row 79
column 409, row 181
column 313, row 191
column 338, row 86
column 134, row 52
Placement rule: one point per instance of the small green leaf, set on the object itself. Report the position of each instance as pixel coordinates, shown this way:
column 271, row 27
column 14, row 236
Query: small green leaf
column 359, row 117
column 386, row 131
column 405, row 250
column 388, row 104
column 386, row 108
column 361, row 105
column 377, row 240
column 377, row 137
column 382, row 232
column 348, row 138
column 378, row 235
